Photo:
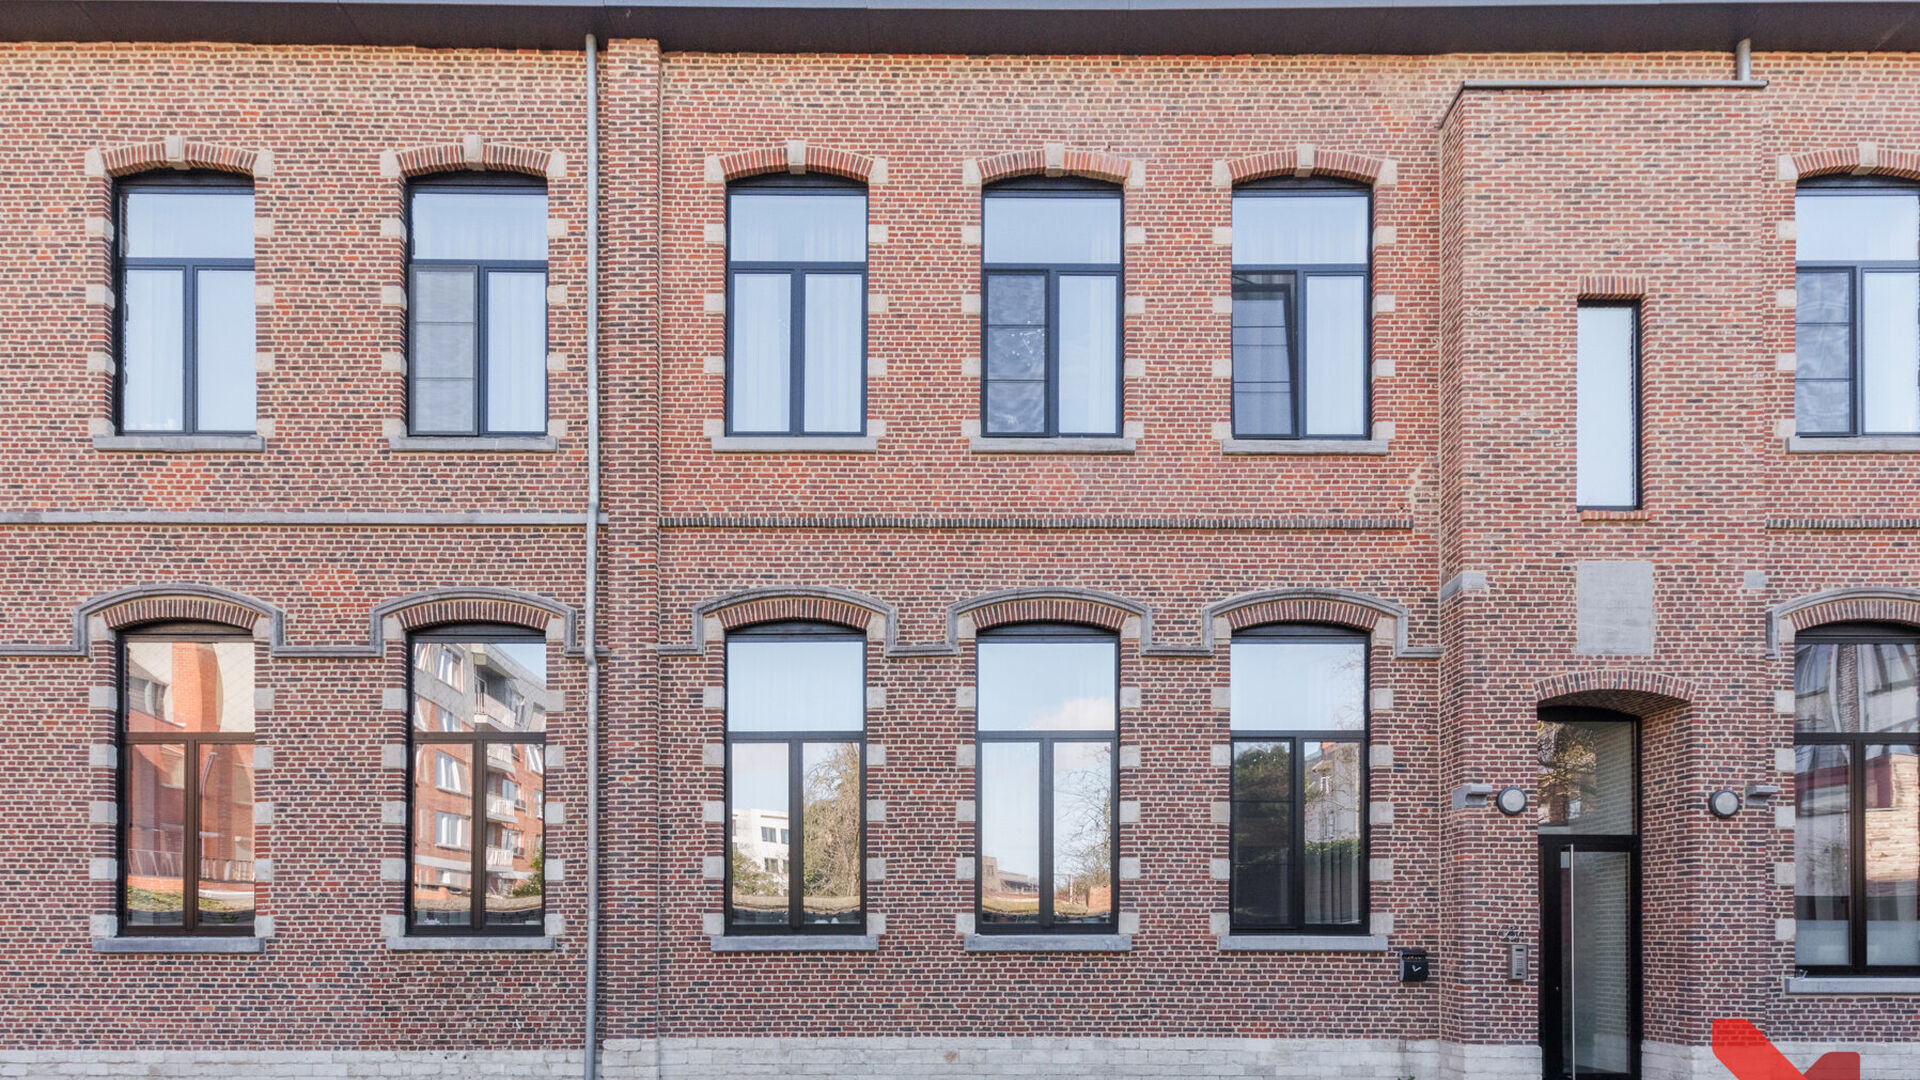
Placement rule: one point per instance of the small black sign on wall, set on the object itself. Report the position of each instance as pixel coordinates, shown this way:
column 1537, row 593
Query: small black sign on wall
column 1414, row 965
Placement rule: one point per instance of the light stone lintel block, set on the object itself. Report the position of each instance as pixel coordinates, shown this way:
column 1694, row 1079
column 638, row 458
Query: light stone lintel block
column 103, row 698
column 1785, row 874
column 713, row 697
column 1220, row 812
column 263, row 870
column 1129, row 757
column 103, row 869
column 713, row 924
column 393, row 756
column 876, row 869
column 1129, row 811
column 393, row 296
column 556, row 869
column 556, row 295
column 876, row 923
column 393, row 812
column 103, row 812
column 393, row 869
column 100, row 363
column 1785, row 703
column 1379, row 869
column 1135, row 235
column 1786, row 298
column 1223, row 235
column 876, row 698
column 556, row 228
column 1383, row 303
column 876, row 810
column 964, row 756
column 963, row 922
column 963, row 868
column 713, row 365
column 1129, row 697
column 1220, row 869
column 1380, row 756
column 969, row 236
column 1385, row 236
column 713, row 867
column 263, row 813
column 392, row 228
column 1786, row 363
column 1129, row 868
column 963, row 810
column 1135, row 304
column 713, row 755
column 1380, row 812
column 876, row 755
column 556, row 812
column 713, row 812
column 970, row 303
column 1783, row 930
column 393, row 699
column 876, row 303
column 263, row 296
column 1223, row 305
column 1380, row 923
column 1382, row 699
column 1783, row 759
column 1220, row 755
column 555, row 924
column 714, row 303
column 1783, row 816
column 103, row 756
column 876, row 235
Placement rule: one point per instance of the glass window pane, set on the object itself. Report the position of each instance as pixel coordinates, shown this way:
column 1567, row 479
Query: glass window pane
column 517, row 352
column 1330, row 818
column 226, row 835
column 1017, row 354
column 761, row 382
column 153, row 347
column 833, row 382
column 489, row 226
column 1046, row 685
column 442, row 877
column 1262, row 840
column 1890, row 353
column 830, row 817
column 798, row 227
column 1608, row 434
column 1089, row 355
column 156, row 834
column 1028, row 230
column 1279, row 685
column 1016, row 408
column 1818, row 706
column 796, row 685
column 224, row 372
column 1893, row 856
column 1822, row 855
column 1823, row 352
column 188, row 224
column 1082, row 832
column 1823, row 296
column 515, row 803
column 1336, row 349
column 762, row 831
column 1822, row 407
column 1856, row 228
column 1261, row 412
column 1887, row 687
column 1300, row 230
column 1016, row 300
column 189, row 687
column 443, row 350
column 1586, row 777
column 1009, row 832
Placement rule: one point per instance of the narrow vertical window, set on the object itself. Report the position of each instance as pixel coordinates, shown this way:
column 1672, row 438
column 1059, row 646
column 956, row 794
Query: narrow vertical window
column 797, row 309
column 186, row 330
column 478, row 336
column 479, row 727
column 796, row 751
column 1857, row 310
column 1608, row 407
column 186, row 722
column 1857, row 801
column 1298, row 849
column 1051, row 332
column 1300, row 334
column 1047, row 734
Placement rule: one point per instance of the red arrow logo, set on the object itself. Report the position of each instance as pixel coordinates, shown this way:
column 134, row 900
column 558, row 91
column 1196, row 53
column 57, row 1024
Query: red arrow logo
column 1749, row 1056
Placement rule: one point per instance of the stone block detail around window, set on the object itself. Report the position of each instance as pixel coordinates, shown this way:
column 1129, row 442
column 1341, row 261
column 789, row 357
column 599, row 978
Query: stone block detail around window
column 798, row 157
column 1055, row 159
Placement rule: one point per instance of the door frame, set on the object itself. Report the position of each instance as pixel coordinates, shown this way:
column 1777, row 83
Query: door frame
column 1551, row 844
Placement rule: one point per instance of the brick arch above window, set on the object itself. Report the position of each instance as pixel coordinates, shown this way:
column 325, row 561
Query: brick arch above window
column 500, row 606
column 1307, row 160
column 798, row 156
column 1057, row 159
column 1311, row 604
column 177, row 603
column 1089, row 607
column 1870, row 604
column 792, row 608
column 1864, row 159
column 474, row 153
column 1624, row 690
column 778, row 603
column 178, row 152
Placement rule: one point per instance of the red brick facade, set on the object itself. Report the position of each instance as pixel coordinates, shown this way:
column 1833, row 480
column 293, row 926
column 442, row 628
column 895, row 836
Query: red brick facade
column 1494, row 213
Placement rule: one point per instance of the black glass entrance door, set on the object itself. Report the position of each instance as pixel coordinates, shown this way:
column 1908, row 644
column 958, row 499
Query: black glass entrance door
column 1589, row 896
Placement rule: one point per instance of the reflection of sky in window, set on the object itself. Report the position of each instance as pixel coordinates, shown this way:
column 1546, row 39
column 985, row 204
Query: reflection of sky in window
column 1010, row 807
column 1046, row 685
column 528, row 655
column 1298, row 685
column 796, row 685
column 759, row 777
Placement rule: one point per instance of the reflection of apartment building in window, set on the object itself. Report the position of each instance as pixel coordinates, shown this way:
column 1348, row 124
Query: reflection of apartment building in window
column 762, row 837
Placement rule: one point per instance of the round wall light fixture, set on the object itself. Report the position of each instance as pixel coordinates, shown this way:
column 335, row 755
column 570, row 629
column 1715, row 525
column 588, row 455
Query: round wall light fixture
column 1512, row 801
column 1724, row 803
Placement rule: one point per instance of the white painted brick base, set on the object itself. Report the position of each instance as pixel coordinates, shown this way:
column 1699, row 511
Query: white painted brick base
column 1878, row 1061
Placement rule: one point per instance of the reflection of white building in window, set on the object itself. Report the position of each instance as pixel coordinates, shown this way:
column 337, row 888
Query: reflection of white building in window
column 762, row 836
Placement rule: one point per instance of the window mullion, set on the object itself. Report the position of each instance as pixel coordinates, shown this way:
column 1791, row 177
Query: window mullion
column 1857, row 837
column 1297, row 862
column 481, row 283
column 797, row 351
column 1296, row 350
column 189, row 350
column 476, row 835
column 1052, row 396
column 796, row 856
column 190, row 842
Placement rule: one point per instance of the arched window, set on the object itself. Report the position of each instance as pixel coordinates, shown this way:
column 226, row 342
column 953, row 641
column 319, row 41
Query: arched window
column 1299, row 785
column 796, row 306
column 477, row 345
column 1857, row 308
column 1857, row 800
column 1300, row 328
column 186, row 813
column 1051, row 331
column 1047, row 733
column 185, row 336
column 478, row 794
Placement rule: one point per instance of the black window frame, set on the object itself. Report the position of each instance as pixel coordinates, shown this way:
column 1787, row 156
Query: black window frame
column 190, row 794
column 1841, row 187
column 189, row 268
column 1046, row 739
column 491, row 183
column 1066, row 187
column 794, row 741
column 477, row 926
column 1294, row 292
column 1362, row 739
column 1638, row 407
column 797, row 271
column 1857, row 742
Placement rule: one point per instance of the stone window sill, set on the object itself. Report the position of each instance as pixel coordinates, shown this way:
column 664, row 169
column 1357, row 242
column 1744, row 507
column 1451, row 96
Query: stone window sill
column 796, row 444
column 180, row 444
column 1003, row 444
column 1302, row 943
column 427, row 943
column 1616, row 515
column 459, row 444
column 1305, row 446
column 796, row 943
column 179, row 945
column 1848, row 985
column 1032, row 943
column 1874, row 444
